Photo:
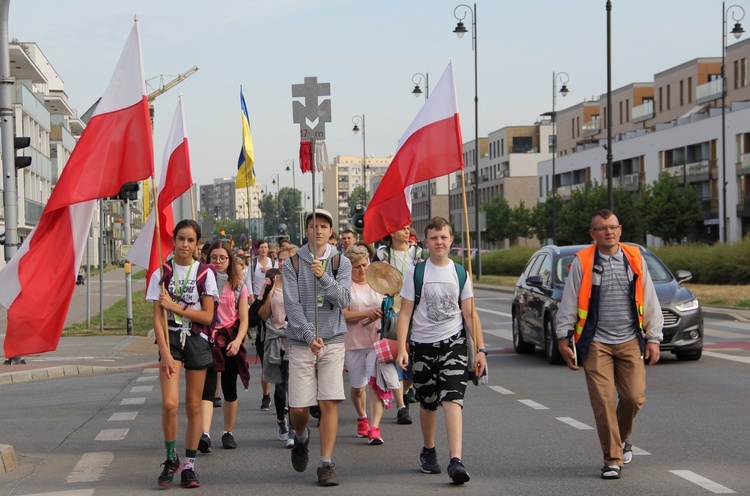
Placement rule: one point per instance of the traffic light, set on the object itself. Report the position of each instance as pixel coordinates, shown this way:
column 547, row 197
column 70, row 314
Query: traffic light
column 358, row 218
column 129, row 191
column 19, row 143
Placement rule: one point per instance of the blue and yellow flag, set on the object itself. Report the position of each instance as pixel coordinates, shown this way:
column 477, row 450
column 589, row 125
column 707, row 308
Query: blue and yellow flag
column 246, row 162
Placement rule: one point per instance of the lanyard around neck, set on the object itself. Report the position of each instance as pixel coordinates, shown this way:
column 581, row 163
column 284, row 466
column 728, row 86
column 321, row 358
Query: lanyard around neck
column 184, row 281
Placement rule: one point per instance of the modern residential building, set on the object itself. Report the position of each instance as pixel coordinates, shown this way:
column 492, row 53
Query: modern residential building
column 221, row 200
column 340, row 179
column 672, row 126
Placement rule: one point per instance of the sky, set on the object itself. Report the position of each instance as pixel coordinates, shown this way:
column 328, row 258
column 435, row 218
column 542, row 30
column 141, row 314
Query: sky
column 368, row 51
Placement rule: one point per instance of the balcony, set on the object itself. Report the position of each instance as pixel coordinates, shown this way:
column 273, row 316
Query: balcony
column 743, row 207
column 643, row 112
column 697, row 168
column 710, row 206
column 591, row 128
column 709, row 92
column 628, row 181
column 743, row 166
column 674, row 171
column 33, row 211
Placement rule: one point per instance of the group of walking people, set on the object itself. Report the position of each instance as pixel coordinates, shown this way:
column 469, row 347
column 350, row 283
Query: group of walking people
column 320, row 316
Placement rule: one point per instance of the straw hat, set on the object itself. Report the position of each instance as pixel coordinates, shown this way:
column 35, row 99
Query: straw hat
column 384, row 278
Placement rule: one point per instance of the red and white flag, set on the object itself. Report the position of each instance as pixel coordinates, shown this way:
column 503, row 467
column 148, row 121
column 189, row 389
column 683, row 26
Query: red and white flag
column 115, row 148
column 175, row 180
column 431, row 147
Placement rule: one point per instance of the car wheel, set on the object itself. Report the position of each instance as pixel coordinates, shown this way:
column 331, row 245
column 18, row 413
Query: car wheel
column 689, row 356
column 519, row 344
column 551, row 350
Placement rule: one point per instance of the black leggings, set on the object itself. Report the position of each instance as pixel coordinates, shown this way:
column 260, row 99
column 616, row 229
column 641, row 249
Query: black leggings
column 279, row 390
column 228, row 379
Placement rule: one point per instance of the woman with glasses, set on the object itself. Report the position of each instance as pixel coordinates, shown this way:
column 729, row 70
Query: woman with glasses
column 230, row 356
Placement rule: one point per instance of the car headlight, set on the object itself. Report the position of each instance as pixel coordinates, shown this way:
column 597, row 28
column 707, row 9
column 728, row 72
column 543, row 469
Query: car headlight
column 688, row 305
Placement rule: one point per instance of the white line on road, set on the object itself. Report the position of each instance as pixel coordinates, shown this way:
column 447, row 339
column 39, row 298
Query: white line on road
column 90, row 468
column 574, row 423
column 112, row 434
column 639, row 451
column 502, row 390
column 151, row 371
column 147, row 378
column 75, row 492
column 123, row 416
column 533, row 404
column 727, row 357
column 141, row 389
column 701, row 481
column 494, row 312
column 133, row 401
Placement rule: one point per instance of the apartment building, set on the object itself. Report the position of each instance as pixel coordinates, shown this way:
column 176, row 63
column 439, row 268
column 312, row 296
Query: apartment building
column 677, row 130
column 339, row 180
column 41, row 112
column 221, row 200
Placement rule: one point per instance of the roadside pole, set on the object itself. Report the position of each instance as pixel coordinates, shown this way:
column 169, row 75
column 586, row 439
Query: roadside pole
column 128, row 282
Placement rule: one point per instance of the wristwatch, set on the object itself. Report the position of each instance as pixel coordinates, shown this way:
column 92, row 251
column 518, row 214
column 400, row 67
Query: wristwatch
column 482, row 350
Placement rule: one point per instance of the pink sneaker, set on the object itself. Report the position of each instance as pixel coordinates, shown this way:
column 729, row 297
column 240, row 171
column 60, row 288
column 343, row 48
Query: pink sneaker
column 374, row 436
column 363, row 426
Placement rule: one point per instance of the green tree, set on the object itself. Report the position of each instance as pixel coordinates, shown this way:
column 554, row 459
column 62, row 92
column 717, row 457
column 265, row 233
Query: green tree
column 540, row 218
column 357, row 197
column 670, row 210
column 283, row 208
column 232, row 228
column 520, row 223
column 498, row 215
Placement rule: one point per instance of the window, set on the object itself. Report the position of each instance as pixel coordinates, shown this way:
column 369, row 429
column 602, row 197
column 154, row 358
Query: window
column 690, row 90
column 736, row 74
column 573, row 128
column 669, row 96
column 620, row 112
column 661, row 98
column 682, row 93
column 627, row 110
column 743, row 71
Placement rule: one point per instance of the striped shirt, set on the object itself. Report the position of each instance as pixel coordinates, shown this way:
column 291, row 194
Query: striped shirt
column 300, row 298
column 616, row 323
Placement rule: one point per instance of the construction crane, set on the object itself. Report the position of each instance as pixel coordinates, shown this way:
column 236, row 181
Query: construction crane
column 163, row 88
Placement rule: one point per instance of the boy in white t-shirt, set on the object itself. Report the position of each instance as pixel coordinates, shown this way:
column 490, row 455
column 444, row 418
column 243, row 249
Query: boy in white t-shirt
column 438, row 347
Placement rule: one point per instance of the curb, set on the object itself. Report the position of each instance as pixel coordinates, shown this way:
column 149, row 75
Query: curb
column 53, row 373
column 8, row 460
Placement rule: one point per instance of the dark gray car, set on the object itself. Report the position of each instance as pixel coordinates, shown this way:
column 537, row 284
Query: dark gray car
column 540, row 288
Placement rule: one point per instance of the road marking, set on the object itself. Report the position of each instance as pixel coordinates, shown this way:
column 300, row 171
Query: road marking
column 715, row 333
column 147, row 378
column 123, row 416
column 639, row 451
column 500, row 333
column 701, row 481
column 534, row 405
column 494, row 312
column 502, row 390
column 75, row 492
column 141, row 389
column 112, row 435
column 727, row 357
column 151, row 371
column 90, row 468
column 574, row 423
column 133, row 401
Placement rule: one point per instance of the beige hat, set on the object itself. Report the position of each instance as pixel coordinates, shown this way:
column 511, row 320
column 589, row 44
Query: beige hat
column 384, row 278
column 320, row 213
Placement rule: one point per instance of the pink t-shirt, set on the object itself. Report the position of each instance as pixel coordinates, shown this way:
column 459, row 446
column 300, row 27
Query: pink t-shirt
column 360, row 337
column 227, row 311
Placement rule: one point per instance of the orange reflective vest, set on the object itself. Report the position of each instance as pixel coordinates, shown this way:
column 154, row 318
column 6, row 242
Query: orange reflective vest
column 586, row 257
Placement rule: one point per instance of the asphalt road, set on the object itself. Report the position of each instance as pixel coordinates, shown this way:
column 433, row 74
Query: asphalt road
column 528, row 432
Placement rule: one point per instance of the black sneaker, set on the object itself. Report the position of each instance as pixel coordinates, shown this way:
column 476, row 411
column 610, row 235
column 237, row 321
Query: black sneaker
column 610, row 472
column 167, row 474
column 299, row 453
column 265, row 403
column 410, row 396
column 189, row 479
column 326, row 475
column 227, row 441
column 217, row 401
column 457, row 472
column 204, row 445
column 428, row 461
column 402, row 416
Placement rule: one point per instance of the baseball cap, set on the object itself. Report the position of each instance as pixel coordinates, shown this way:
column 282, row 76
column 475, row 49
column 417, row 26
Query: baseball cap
column 320, row 213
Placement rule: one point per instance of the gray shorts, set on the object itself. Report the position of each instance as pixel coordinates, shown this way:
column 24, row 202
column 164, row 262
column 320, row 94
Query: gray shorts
column 195, row 355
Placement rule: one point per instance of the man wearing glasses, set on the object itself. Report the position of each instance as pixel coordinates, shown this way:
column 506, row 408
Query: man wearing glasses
column 610, row 308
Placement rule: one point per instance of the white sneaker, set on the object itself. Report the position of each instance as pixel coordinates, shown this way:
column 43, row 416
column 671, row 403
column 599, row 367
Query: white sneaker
column 627, row 452
column 283, row 432
column 290, row 438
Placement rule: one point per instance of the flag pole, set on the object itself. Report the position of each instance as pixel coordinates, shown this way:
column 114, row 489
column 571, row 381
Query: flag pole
column 192, row 207
column 309, row 242
column 471, row 274
column 157, row 228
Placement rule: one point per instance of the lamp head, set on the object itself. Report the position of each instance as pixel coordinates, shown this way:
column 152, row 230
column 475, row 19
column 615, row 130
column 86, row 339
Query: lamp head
column 737, row 30
column 460, row 29
column 417, row 91
column 564, row 90
column 355, row 129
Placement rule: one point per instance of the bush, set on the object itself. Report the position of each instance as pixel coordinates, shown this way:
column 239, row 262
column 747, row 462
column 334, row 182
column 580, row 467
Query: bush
column 718, row 264
column 509, row 262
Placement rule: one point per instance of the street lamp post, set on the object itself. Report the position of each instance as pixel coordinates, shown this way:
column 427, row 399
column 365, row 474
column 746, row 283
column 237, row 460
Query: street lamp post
column 610, row 193
column 460, row 30
column 737, row 32
column 417, row 92
column 290, row 166
column 277, row 182
column 356, row 120
column 563, row 78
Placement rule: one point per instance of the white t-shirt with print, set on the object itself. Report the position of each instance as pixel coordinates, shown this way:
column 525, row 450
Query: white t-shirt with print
column 190, row 294
column 438, row 315
column 254, row 279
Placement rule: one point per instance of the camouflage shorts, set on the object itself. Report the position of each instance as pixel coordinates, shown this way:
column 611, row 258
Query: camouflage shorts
column 440, row 371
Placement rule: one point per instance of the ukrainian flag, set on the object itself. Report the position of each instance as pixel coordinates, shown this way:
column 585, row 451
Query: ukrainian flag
column 246, row 162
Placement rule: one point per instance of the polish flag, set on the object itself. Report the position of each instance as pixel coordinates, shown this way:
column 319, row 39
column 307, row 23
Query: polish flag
column 115, row 148
column 175, row 180
column 430, row 148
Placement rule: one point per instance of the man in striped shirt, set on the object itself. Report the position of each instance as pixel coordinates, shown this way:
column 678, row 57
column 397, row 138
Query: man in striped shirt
column 316, row 283
column 610, row 302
